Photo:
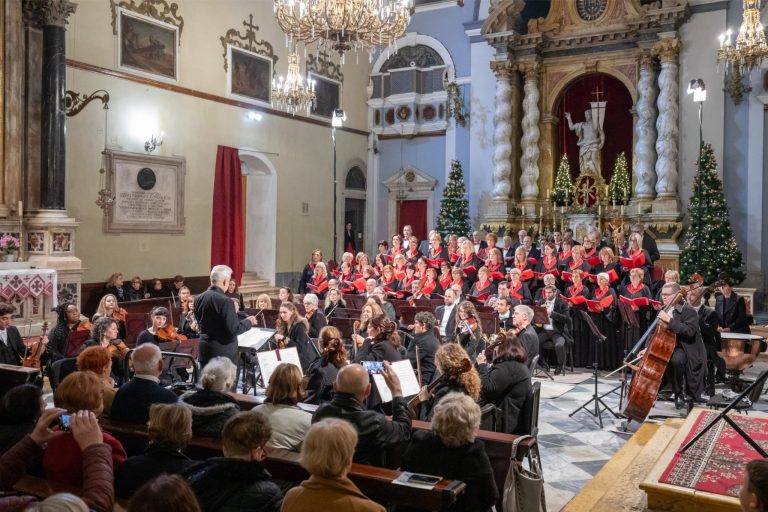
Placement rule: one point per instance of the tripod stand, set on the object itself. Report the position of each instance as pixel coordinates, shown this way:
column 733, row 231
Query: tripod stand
column 600, row 406
column 631, row 324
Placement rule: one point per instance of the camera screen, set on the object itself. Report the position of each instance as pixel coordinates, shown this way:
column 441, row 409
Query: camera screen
column 64, row 421
column 373, row 367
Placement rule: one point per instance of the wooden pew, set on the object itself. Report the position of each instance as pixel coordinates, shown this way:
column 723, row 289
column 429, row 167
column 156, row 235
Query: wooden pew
column 42, row 488
column 12, row 376
column 374, row 482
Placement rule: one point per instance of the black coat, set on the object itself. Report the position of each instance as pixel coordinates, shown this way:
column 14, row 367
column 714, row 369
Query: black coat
column 316, row 323
column 732, row 313
column 428, row 345
column 685, row 324
column 320, row 384
column 133, row 294
column 158, row 459
column 530, row 341
column 210, row 411
column 297, row 337
column 506, row 385
column 231, row 485
column 133, row 399
column 13, row 352
column 468, row 463
column 375, row 432
column 561, row 318
column 649, row 244
column 219, row 325
column 381, row 350
column 450, row 327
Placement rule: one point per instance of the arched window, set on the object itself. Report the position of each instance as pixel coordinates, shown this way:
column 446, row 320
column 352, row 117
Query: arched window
column 416, row 69
column 355, row 179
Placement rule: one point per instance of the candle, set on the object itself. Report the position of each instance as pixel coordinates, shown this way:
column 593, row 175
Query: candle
column 541, row 211
column 548, row 193
column 21, row 210
column 622, row 210
column 599, row 210
column 562, row 210
column 523, row 211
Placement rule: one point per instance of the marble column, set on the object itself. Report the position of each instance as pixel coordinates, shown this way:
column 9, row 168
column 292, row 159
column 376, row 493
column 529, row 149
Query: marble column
column 529, row 162
column 645, row 130
column 502, row 132
column 667, row 122
column 52, row 16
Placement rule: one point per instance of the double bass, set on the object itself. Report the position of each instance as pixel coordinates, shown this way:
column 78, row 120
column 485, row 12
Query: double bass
column 648, row 374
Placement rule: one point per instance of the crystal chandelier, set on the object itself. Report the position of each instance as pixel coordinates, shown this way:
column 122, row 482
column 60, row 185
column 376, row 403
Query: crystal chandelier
column 750, row 49
column 293, row 94
column 344, row 24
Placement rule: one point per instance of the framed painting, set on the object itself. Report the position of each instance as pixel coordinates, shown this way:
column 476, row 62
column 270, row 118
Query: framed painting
column 149, row 193
column 328, row 96
column 146, row 46
column 250, row 75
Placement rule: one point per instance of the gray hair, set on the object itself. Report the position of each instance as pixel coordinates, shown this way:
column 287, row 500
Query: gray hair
column 673, row 287
column 311, row 298
column 603, row 275
column 145, row 358
column 218, row 374
column 60, row 502
column 549, row 279
column 220, row 273
column 528, row 312
column 456, row 418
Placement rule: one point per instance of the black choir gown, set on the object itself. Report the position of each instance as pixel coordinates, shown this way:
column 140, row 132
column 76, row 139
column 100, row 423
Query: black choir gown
column 521, row 293
column 466, row 263
column 581, row 333
column 610, row 353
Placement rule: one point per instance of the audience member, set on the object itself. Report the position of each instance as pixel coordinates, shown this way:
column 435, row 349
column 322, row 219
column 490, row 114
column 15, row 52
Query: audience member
column 212, row 406
column 238, row 481
column 136, row 290
column 424, row 345
column 166, row 493
column 19, row 410
column 99, row 361
column 327, row 454
column 134, row 398
column 753, row 496
column 322, row 376
column 289, row 422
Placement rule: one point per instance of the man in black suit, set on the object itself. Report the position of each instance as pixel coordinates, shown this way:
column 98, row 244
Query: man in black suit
column 649, row 244
column 11, row 346
column 708, row 324
column 520, row 239
column 731, row 309
column 504, row 311
column 218, row 321
column 531, row 251
column 522, row 318
column 424, row 244
column 557, row 332
column 478, row 242
column 134, row 398
column 446, row 316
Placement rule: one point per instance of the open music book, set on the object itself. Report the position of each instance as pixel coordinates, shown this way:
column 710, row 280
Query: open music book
column 269, row 360
column 408, row 381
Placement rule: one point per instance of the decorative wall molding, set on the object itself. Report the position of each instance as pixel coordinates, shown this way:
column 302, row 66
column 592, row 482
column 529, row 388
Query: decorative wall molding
column 158, row 9
column 247, row 41
column 323, row 65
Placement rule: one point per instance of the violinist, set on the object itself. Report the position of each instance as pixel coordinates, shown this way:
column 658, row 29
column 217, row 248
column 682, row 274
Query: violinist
column 233, row 292
column 382, row 343
column 159, row 316
column 333, row 302
column 291, row 331
column 316, row 320
column 687, row 368
column 11, row 344
column 183, row 299
column 469, row 330
column 108, row 307
column 187, row 321
column 104, row 333
column 68, row 322
column 522, row 316
column 449, row 360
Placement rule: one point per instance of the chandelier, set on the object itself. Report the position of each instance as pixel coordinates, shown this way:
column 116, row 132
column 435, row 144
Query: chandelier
column 750, row 49
column 293, row 94
column 344, row 24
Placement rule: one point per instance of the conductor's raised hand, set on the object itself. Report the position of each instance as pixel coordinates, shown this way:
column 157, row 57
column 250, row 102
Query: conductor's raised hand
column 391, row 379
column 253, row 320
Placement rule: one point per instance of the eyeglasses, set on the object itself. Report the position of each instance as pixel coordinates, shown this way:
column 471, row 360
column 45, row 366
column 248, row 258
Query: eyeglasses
column 667, row 294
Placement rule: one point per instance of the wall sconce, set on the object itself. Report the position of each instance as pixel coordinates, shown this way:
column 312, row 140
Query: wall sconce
column 401, row 195
column 153, row 143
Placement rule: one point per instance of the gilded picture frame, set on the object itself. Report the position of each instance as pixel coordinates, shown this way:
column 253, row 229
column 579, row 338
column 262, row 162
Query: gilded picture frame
column 146, row 46
column 249, row 75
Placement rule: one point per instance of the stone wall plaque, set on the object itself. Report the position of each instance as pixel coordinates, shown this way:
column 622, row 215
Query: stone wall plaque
column 149, row 193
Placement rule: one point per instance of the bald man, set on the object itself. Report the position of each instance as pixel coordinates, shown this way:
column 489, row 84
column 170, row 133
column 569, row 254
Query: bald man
column 375, row 432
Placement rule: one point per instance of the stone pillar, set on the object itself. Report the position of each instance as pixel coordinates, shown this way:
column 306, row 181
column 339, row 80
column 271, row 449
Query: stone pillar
column 52, row 16
column 645, row 131
column 667, row 129
column 529, row 162
column 502, row 132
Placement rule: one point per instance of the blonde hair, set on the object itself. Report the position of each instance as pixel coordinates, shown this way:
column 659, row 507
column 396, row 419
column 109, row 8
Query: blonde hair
column 328, row 448
column 170, row 425
column 218, row 374
column 59, row 502
column 455, row 419
column 101, row 310
column 265, row 297
column 285, row 385
column 609, row 251
column 638, row 271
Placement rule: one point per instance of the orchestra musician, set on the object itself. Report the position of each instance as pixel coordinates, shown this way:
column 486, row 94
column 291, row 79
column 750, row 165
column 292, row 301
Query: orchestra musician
column 469, row 332
column 449, row 360
column 291, row 331
column 557, row 332
column 309, row 270
column 160, row 330
column 522, row 316
column 104, row 333
column 731, row 308
column 182, row 299
column 504, row 311
column 68, row 321
column 382, row 343
column 108, row 307
column 188, row 323
column 446, row 316
column 11, row 344
column 233, row 292
column 316, row 320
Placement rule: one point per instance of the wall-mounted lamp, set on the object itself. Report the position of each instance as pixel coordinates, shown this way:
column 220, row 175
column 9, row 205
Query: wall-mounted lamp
column 153, row 143
column 699, row 91
column 338, row 118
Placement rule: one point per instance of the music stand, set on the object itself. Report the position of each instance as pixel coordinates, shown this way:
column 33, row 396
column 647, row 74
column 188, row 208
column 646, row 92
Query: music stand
column 724, row 416
column 629, row 320
column 596, row 397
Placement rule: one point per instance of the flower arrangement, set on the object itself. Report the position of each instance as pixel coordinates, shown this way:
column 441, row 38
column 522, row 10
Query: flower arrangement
column 8, row 244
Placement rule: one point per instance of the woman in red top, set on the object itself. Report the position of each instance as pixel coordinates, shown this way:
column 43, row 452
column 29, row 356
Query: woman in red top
column 407, row 281
column 610, row 352
column 319, row 279
column 453, row 248
column 495, row 263
column 436, row 249
column 548, row 262
column 421, row 269
column 429, row 285
column 645, row 262
column 397, row 246
column 468, row 260
column 607, row 265
column 362, row 262
column 388, row 279
column 412, row 255
column 577, row 260
column 379, row 261
column 445, row 275
column 581, row 333
column 399, row 266
column 483, row 285
column 458, row 280
column 633, row 290
column 564, row 258
column 345, row 273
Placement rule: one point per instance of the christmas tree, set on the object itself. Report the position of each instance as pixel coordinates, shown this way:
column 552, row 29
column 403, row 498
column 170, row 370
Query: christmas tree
column 710, row 248
column 562, row 193
column 620, row 187
column 454, row 208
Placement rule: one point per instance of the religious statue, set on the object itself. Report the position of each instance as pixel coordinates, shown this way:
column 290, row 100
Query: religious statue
column 591, row 141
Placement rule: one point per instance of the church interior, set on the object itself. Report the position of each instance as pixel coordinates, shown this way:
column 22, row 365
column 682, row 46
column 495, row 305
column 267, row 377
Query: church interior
column 159, row 138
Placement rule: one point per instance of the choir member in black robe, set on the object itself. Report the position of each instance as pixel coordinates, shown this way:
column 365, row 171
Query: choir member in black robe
column 483, row 284
column 468, row 262
column 396, row 248
column 319, row 280
column 732, row 309
column 436, row 249
column 636, row 289
column 578, row 261
column 581, row 333
column 430, row 286
column 609, row 353
column 412, row 255
column 459, row 280
column 644, row 259
column 309, row 270
column 518, row 289
column 608, row 263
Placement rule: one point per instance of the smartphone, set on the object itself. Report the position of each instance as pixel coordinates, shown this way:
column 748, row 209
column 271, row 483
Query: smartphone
column 373, row 367
column 64, row 422
column 424, row 479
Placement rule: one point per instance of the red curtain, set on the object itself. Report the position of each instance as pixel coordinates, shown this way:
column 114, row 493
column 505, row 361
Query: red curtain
column 415, row 214
column 227, row 224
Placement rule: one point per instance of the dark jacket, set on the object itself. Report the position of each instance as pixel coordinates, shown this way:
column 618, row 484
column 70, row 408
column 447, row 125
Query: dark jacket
column 134, row 398
column 506, row 385
column 12, row 433
column 132, row 294
column 428, row 345
column 117, row 291
column 685, row 324
column 732, row 313
column 14, row 351
column 530, row 341
column 381, row 350
column 316, row 323
column 649, row 244
column 306, row 277
column 219, row 325
column 375, row 432
column 561, row 318
column 468, row 463
column 158, row 459
column 210, row 411
column 320, row 385
column 450, row 327
column 297, row 337
column 231, row 485
column 97, row 475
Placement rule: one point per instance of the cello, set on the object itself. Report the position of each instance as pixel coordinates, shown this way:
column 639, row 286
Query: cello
column 648, row 374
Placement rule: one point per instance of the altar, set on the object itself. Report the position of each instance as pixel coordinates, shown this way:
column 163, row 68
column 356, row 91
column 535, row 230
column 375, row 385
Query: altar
column 32, row 291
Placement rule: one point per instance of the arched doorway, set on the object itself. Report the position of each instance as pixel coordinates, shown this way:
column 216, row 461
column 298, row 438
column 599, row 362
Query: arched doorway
column 355, row 185
column 260, row 205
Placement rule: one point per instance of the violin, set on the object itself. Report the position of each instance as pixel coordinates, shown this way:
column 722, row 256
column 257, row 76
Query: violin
column 464, row 366
column 170, row 333
column 119, row 314
column 35, row 350
column 82, row 325
column 118, row 348
column 500, row 338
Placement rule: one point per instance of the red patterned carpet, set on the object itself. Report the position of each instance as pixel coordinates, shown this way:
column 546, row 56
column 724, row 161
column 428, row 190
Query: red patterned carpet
column 716, row 462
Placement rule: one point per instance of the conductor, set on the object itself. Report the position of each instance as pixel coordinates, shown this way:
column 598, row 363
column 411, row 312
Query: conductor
column 218, row 321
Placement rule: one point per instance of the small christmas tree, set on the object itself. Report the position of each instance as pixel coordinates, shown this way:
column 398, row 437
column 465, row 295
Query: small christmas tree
column 710, row 248
column 454, row 208
column 620, row 187
column 562, row 193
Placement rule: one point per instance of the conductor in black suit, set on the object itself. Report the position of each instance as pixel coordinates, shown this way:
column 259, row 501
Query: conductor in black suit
column 218, row 321
column 11, row 346
column 649, row 244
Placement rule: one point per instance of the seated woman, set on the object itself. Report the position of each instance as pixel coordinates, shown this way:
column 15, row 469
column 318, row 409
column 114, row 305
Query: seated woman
column 108, row 307
column 20, row 408
column 233, row 291
column 333, row 302
column 165, row 493
column 369, row 310
column 315, row 318
column 451, row 451
column 451, row 360
column 383, row 342
column 63, row 459
column 327, row 454
column 322, row 376
column 135, row 290
column 68, row 321
column 99, row 361
column 169, row 430
column 731, row 309
column 115, row 286
column 159, row 316
column 187, row 321
column 212, row 406
column 104, row 333
column 289, row 422
column 291, row 331
column 506, row 381
column 469, row 329
column 285, row 295
column 157, row 290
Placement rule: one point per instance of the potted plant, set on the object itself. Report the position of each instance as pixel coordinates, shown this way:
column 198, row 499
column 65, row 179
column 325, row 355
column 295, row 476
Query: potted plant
column 9, row 244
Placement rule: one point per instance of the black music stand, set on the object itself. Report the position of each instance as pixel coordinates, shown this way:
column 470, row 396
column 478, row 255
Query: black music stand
column 760, row 381
column 629, row 319
column 596, row 397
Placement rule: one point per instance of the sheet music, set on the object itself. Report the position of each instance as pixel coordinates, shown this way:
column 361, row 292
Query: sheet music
column 254, row 338
column 269, row 360
column 408, row 381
